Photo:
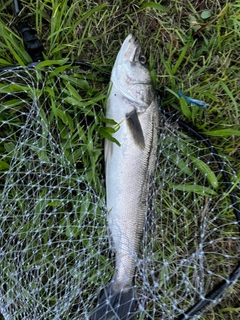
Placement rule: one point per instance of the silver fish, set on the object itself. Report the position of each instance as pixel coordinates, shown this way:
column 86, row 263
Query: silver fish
column 132, row 103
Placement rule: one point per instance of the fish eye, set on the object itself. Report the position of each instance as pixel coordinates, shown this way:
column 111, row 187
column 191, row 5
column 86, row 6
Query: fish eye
column 142, row 59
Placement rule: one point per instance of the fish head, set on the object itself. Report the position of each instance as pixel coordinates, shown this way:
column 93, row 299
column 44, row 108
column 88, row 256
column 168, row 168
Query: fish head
column 130, row 74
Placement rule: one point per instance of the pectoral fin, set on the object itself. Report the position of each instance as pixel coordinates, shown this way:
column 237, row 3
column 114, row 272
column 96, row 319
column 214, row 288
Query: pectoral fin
column 135, row 128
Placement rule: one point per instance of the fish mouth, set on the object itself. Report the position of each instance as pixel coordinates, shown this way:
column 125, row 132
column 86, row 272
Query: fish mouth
column 130, row 38
column 133, row 38
column 129, row 47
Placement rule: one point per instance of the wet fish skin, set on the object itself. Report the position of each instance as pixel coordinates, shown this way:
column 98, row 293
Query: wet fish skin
column 133, row 103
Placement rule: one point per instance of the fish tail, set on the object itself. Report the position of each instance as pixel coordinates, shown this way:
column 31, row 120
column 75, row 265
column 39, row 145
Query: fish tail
column 115, row 305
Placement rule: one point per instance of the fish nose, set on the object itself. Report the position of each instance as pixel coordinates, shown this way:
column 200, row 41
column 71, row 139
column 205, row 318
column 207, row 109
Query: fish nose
column 131, row 39
column 130, row 48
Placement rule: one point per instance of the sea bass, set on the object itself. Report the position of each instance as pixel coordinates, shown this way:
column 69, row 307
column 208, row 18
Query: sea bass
column 132, row 103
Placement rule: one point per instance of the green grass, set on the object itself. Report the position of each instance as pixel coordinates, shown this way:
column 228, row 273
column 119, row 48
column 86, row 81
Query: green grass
column 192, row 46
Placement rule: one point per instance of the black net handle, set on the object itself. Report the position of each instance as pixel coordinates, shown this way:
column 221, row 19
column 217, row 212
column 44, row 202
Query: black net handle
column 31, row 43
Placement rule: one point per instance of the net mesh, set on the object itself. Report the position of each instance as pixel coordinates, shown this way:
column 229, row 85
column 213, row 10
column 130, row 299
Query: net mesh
column 54, row 249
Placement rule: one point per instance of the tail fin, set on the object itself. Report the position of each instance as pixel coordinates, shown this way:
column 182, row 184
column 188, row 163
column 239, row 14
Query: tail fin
column 115, row 305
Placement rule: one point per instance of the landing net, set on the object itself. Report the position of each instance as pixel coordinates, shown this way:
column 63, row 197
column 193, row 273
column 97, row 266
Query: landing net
column 54, row 249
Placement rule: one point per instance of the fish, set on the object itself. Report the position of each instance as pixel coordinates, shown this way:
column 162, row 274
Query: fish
column 133, row 104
